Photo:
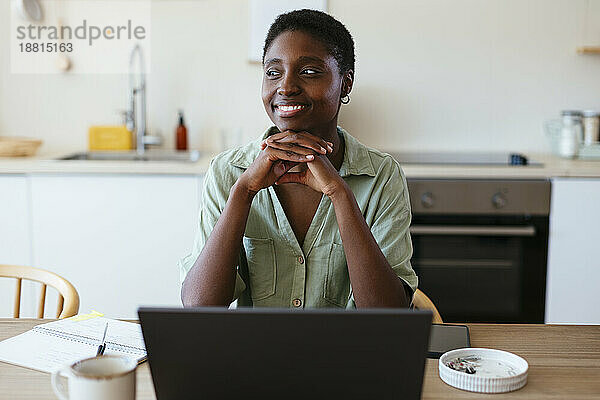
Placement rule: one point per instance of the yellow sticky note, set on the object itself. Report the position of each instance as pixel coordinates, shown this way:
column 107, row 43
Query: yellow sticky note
column 83, row 317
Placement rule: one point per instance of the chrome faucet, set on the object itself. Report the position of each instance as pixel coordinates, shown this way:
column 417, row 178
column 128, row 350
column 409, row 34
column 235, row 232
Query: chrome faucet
column 136, row 121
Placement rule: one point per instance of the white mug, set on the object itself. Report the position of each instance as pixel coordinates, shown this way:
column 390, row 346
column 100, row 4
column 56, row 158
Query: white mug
column 97, row 378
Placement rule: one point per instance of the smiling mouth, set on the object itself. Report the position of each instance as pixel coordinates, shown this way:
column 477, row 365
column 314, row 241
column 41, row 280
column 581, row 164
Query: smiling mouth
column 289, row 110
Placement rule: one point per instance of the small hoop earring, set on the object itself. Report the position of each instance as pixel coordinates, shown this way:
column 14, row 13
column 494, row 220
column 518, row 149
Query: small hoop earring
column 345, row 99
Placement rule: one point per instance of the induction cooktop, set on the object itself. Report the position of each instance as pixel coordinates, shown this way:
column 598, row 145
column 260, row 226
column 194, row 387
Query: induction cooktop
column 466, row 158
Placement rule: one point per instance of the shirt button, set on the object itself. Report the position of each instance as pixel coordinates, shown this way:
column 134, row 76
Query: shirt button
column 297, row 302
column 300, row 260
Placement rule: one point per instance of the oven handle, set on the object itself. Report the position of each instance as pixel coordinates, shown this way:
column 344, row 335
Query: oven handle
column 464, row 230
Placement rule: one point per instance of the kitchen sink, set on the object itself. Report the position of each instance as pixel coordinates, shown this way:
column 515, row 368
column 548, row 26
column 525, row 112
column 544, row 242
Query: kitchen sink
column 149, row 155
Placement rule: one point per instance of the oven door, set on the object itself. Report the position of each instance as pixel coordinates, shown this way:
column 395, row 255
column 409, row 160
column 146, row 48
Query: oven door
column 482, row 268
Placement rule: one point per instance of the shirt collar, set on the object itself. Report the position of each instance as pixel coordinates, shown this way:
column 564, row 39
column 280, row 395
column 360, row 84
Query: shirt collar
column 356, row 155
column 357, row 160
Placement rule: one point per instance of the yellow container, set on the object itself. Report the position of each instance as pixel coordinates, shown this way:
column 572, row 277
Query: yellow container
column 110, row 138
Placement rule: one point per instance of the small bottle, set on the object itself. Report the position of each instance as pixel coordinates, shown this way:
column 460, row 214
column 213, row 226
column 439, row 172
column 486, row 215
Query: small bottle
column 181, row 134
column 591, row 126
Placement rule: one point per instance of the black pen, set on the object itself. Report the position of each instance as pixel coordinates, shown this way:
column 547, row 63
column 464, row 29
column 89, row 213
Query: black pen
column 103, row 345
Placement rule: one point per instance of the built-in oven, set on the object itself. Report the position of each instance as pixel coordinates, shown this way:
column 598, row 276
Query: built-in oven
column 480, row 247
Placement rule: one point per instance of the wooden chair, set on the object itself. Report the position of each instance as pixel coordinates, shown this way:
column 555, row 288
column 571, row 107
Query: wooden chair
column 422, row 302
column 68, row 299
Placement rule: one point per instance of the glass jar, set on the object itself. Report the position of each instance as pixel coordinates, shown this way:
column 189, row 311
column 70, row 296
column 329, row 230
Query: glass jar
column 571, row 134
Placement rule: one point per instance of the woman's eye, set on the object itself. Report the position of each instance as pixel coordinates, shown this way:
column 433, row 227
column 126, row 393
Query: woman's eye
column 272, row 74
column 309, row 71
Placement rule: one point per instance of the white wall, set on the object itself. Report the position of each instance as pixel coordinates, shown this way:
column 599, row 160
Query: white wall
column 431, row 74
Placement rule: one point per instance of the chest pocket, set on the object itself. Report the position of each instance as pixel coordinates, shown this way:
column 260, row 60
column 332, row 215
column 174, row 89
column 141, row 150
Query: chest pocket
column 337, row 282
column 262, row 271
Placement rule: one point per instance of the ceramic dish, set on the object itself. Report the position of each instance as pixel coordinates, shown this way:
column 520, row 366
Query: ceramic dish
column 483, row 370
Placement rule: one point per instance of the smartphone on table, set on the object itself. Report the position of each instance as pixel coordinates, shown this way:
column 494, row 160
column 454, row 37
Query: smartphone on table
column 446, row 337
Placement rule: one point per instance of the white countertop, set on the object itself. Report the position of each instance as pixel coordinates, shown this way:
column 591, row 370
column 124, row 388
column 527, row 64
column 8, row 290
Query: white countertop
column 49, row 164
column 552, row 167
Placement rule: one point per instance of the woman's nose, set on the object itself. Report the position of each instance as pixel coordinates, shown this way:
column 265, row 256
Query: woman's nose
column 289, row 86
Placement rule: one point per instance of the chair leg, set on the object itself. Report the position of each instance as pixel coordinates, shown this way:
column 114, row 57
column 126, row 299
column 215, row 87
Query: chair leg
column 17, row 308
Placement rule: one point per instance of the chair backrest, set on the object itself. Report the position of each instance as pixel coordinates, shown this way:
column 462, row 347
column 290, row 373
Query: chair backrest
column 68, row 299
column 422, row 302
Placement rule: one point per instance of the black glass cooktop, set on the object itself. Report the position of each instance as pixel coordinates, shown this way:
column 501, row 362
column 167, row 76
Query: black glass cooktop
column 467, row 158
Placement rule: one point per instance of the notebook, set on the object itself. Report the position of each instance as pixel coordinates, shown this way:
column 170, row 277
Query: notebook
column 53, row 345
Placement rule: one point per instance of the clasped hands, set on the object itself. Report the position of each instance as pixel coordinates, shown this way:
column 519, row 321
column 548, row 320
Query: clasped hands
column 283, row 151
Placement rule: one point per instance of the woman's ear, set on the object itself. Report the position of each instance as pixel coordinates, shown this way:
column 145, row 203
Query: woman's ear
column 347, row 82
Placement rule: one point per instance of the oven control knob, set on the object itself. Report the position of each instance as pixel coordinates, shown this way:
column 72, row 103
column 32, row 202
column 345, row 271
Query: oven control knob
column 427, row 200
column 499, row 200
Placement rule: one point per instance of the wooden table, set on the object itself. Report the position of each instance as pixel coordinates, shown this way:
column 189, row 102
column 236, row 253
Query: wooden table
column 564, row 363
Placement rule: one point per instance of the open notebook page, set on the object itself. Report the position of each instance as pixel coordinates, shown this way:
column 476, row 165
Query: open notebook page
column 50, row 346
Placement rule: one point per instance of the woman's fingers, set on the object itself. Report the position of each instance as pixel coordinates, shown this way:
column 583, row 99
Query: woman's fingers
column 303, row 139
column 300, row 143
column 281, row 167
column 286, row 155
column 292, row 177
column 295, row 148
column 270, row 165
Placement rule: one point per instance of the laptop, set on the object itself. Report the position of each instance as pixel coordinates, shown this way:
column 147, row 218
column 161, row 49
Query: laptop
column 254, row 353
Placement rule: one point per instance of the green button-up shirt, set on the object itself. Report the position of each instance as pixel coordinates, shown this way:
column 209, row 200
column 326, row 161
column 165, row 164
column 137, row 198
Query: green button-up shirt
column 273, row 269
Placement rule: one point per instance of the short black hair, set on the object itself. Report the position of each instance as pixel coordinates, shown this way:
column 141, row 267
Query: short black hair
column 328, row 30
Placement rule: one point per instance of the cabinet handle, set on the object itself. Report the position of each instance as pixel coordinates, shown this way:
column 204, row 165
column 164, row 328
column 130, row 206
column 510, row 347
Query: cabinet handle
column 468, row 230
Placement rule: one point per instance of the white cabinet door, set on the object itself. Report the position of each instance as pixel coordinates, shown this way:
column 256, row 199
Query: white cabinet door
column 15, row 225
column 573, row 286
column 117, row 238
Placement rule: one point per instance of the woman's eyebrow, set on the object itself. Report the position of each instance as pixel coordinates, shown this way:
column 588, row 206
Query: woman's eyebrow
column 311, row 59
column 302, row 59
column 273, row 61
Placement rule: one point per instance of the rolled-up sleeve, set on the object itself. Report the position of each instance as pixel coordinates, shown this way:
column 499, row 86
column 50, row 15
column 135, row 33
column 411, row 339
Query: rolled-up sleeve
column 215, row 192
column 391, row 226
column 391, row 220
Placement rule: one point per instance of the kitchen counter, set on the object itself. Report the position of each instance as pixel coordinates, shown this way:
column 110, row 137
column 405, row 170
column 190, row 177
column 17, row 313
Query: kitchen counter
column 552, row 167
column 49, row 164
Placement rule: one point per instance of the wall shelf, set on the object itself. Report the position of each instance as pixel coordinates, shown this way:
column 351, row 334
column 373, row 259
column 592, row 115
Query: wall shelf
column 588, row 50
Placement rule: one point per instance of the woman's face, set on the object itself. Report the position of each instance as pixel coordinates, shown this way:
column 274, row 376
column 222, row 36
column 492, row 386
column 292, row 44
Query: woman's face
column 302, row 85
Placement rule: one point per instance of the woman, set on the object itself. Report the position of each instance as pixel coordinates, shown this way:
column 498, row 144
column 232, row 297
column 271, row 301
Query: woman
column 306, row 216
